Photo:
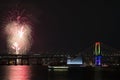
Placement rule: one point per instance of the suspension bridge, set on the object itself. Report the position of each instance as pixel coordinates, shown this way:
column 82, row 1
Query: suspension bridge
column 98, row 54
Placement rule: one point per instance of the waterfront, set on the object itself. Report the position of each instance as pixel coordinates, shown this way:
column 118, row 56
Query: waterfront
column 36, row 72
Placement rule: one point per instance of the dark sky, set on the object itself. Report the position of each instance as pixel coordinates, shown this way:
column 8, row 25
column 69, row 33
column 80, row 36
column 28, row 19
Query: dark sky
column 68, row 24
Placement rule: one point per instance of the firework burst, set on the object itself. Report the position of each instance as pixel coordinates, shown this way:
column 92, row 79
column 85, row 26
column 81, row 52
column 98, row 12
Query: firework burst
column 18, row 32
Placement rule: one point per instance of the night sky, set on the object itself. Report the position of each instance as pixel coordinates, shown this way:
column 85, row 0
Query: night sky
column 67, row 24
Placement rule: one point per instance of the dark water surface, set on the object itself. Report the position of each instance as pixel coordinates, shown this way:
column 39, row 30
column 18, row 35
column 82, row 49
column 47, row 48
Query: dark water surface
column 42, row 73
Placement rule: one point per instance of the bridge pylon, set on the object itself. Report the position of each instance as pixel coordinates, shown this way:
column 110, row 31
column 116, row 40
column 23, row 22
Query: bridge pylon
column 97, row 53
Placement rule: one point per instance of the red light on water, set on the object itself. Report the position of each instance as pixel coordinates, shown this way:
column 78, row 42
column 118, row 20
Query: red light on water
column 18, row 73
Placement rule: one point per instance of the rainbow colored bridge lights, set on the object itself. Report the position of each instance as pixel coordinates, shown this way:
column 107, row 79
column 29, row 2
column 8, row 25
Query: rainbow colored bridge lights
column 97, row 48
column 97, row 54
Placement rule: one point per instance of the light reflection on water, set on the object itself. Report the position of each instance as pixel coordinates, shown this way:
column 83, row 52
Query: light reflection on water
column 18, row 73
column 26, row 72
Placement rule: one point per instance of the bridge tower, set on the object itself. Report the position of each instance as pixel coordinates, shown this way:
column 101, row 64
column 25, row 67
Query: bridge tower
column 97, row 53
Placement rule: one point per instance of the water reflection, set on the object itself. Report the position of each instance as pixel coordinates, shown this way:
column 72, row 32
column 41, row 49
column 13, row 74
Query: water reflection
column 41, row 73
column 98, row 75
column 18, row 73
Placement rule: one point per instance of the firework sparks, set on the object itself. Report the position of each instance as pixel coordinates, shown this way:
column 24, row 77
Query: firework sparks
column 18, row 36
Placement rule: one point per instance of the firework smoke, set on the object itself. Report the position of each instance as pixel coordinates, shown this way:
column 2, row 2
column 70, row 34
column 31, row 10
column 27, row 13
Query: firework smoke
column 18, row 35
